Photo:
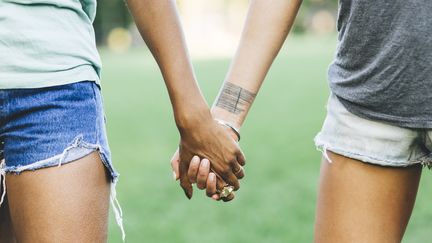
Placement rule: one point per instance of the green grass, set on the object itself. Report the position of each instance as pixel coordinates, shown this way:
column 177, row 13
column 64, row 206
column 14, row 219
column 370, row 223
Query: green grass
column 277, row 199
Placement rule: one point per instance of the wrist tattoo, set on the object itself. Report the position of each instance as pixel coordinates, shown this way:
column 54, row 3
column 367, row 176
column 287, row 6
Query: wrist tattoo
column 234, row 98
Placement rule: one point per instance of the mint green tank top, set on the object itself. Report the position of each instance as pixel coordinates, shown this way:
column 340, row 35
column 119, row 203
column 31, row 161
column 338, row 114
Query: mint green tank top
column 47, row 43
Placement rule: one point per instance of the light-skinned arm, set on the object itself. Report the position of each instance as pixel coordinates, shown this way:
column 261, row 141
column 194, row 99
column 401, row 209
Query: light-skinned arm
column 159, row 25
column 266, row 28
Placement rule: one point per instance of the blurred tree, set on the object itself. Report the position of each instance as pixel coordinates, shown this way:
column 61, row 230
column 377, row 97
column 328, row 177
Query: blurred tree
column 110, row 14
column 308, row 9
column 114, row 13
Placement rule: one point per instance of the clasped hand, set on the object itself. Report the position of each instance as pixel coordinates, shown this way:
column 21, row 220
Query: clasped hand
column 208, row 155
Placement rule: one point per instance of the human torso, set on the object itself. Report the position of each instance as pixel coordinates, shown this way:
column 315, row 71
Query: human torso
column 382, row 69
column 47, row 42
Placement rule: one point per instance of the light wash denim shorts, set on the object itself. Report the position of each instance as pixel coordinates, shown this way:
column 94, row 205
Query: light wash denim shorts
column 371, row 141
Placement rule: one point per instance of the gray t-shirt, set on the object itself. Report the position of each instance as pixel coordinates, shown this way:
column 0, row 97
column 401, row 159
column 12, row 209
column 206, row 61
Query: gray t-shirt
column 383, row 64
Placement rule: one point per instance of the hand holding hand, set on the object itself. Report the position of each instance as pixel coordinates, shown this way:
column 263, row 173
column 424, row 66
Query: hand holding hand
column 200, row 171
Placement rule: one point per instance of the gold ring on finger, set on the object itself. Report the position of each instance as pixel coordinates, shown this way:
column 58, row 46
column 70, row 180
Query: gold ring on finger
column 226, row 191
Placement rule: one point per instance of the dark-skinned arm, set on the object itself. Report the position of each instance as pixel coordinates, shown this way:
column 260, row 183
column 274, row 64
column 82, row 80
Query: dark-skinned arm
column 159, row 25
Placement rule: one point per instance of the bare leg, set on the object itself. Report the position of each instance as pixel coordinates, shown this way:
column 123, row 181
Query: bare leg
column 6, row 231
column 61, row 204
column 358, row 202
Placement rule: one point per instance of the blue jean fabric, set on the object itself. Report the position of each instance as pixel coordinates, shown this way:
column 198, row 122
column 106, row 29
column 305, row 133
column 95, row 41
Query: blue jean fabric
column 44, row 127
column 51, row 126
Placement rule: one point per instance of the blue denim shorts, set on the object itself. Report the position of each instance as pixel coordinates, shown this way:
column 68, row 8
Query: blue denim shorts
column 372, row 141
column 51, row 126
column 45, row 127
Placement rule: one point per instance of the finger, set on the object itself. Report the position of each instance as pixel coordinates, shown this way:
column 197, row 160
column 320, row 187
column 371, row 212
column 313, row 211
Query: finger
column 238, row 171
column 241, row 159
column 229, row 177
column 211, row 185
column 175, row 161
column 203, row 173
column 184, row 179
column 220, row 184
column 186, row 185
column 193, row 169
column 228, row 198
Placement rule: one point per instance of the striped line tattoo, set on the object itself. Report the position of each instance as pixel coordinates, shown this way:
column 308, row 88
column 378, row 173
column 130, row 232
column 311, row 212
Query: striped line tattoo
column 235, row 99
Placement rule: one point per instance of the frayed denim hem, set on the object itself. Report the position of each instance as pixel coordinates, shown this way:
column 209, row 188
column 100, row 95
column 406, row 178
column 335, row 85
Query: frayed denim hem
column 425, row 161
column 76, row 150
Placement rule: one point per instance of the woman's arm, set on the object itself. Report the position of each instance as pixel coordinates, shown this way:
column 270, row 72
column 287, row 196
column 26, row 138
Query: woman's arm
column 267, row 26
column 160, row 28
column 158, row 23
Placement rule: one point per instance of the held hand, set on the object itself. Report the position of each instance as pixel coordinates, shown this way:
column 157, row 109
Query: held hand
column 175, row 160
column 200, row 172
column 207, row 139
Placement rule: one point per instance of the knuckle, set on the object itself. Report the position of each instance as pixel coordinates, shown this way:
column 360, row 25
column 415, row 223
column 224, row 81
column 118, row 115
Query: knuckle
column 192, row 171
column 225, row 172
column 202, row 173
column 191, row 175
column 191, row 179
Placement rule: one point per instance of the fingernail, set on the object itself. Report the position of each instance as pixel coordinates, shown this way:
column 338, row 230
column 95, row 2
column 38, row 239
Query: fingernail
column 206, row 163
column 174, row 175
column 195, row 158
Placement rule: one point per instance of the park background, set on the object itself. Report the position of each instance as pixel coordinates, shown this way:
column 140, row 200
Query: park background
column 276, row 202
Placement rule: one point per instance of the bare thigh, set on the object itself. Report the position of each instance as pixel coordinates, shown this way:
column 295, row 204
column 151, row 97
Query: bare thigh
column 61, row 204
column 359, row 202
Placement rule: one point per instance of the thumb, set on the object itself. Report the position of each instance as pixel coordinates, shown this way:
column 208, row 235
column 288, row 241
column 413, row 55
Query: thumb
column 175, row 161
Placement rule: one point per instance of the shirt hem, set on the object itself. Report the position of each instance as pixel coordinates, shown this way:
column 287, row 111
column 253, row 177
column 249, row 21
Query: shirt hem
column 389, row 119
column 83, row 73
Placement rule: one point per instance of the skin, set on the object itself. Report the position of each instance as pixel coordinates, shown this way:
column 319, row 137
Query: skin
column 357, row 202
column 213, row 183
column 200, row 134
column 39, row 197
column 250, row 65
column 59, row 204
